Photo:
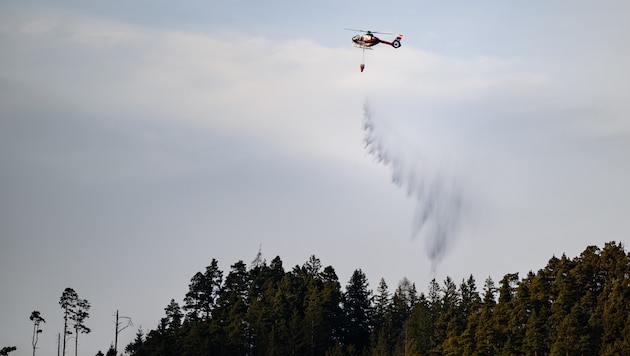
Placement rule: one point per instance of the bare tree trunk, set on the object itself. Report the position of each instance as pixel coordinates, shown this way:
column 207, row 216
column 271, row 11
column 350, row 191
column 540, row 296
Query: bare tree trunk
column 116, row 335
column 65, row 334
column 34, row 340
column 76, row 342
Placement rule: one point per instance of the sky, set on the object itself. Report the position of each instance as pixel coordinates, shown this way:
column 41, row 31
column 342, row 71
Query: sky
column 140, row 140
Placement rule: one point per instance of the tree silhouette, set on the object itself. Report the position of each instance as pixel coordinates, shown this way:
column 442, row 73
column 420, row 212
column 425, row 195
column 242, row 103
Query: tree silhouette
column 75, row 312
column 578, row 306
column 78, row 317
column 36, row 318
column 5, row 350
column 68, row 302
column 357, row 304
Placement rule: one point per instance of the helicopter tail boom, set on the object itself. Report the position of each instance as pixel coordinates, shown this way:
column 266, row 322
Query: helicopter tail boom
column 396, row 42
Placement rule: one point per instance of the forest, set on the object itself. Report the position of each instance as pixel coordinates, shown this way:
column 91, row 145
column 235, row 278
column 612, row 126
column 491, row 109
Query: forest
column 578, row 306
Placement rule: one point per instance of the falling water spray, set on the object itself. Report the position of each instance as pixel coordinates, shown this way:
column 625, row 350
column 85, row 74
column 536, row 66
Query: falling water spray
column 428, row 181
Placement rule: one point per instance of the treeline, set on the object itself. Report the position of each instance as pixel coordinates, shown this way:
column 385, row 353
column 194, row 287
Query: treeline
column 578, row 306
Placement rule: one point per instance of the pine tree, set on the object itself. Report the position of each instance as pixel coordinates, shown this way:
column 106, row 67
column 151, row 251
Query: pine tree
column 265, row 311
column 404, row 299
column 506, row 340
column 165, row 340
column 470, row 300
column 486, row 341
column 134, row 347
column 537, row 334
column 314, row 326
column 616, row 309
column 420, row 326
column 381, row 335
column 232, row 305
column 68, row 302
column 37, row 319
column 332, row 299
column 357, row 307
column 434, row 299
column 565, row 291
column 313, row 266
column 203, row 290
column 78, row 317
column 174, row 316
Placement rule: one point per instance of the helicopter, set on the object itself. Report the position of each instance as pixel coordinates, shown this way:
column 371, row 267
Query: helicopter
column 367, row 40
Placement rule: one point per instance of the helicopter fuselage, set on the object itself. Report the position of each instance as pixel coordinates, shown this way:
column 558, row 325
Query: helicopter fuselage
column 365, row 40
column 368, row 40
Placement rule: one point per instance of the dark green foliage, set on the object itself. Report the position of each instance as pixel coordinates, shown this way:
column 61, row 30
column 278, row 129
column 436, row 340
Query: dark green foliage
column 357, row 306
column 5, row 350
column 577, row 306
column 203, row 291
column 136, row 345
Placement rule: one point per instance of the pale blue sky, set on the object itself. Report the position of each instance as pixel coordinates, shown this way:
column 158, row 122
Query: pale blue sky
column 139, row 140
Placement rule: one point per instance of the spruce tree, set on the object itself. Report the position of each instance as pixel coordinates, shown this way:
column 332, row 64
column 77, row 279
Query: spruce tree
column 357, row 307
column 203, row 291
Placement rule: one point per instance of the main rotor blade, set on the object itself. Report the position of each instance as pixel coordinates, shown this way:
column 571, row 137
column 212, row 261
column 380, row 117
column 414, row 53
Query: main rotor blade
column 366, row 31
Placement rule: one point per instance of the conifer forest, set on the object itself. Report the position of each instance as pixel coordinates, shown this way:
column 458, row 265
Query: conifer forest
column 571, row 306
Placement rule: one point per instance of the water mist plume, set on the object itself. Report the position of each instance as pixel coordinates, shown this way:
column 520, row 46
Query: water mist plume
column 438, row 199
